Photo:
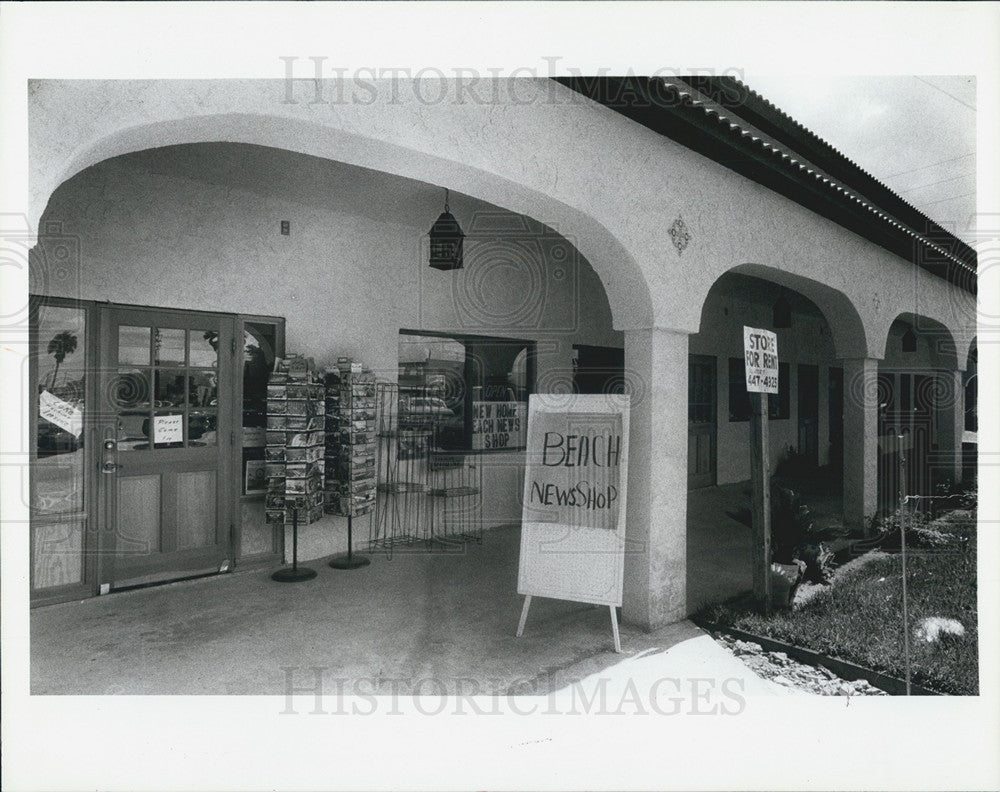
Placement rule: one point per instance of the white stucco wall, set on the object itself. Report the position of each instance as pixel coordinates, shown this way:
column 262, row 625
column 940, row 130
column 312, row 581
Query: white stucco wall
column 535, row 148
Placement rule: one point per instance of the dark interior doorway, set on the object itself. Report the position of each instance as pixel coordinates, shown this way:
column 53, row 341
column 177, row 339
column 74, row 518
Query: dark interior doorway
column 702, row 431
column 598, row 369
column 808, row 401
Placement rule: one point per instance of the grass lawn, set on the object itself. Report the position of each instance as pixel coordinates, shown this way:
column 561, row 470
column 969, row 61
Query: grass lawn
column 858, row 617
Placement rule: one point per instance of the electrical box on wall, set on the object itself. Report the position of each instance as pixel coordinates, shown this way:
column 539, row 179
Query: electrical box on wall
column 286, row 227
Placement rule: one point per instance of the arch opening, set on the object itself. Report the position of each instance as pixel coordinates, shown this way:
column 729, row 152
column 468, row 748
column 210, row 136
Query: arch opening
column 197, row 227
column 921, row 410
column 805, row 418
column 625, row 286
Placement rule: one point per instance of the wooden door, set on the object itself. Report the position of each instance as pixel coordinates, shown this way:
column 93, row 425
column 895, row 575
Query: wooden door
column 701, row 421
column 166, row 396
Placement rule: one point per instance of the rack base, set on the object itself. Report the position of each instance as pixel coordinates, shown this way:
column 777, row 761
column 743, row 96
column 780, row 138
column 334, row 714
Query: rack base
column 293, row 574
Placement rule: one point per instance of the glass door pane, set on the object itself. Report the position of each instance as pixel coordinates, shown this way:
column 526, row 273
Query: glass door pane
column 58, row 469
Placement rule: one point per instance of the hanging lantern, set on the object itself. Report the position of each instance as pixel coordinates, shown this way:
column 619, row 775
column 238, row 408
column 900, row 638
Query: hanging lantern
column 446, row 241
column 782, row 317
column 909, row 341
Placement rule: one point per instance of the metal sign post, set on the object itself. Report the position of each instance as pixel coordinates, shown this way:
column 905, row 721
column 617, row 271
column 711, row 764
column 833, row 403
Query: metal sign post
column 760, row 352
column 902, row 556
column 759, row 467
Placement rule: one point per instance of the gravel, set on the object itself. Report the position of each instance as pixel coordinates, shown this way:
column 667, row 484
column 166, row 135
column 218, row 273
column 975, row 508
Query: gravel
column 782, row 670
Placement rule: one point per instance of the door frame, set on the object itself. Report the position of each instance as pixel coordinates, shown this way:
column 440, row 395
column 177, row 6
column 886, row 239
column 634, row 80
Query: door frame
column 277, row 551
column 108, row 577
column 95, row 543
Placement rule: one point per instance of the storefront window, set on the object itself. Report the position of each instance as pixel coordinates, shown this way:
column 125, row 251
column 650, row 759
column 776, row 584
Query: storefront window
column 261, row 345
column 469, row 392
column 59, row 355
column 58, row 515
column 167, row 387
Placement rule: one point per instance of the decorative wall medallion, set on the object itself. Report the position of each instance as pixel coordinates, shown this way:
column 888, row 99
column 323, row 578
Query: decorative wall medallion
column 679, row 234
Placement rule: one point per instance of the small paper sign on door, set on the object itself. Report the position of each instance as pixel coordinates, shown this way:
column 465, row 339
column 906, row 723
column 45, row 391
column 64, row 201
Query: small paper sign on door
column 168, row 428
column 61, row 413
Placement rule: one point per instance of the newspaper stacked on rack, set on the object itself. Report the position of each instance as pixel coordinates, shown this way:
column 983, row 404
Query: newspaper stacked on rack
column 295, row 442
column 350, row 439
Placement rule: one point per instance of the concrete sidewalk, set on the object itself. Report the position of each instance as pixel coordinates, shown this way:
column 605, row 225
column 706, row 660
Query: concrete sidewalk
column 431, row 622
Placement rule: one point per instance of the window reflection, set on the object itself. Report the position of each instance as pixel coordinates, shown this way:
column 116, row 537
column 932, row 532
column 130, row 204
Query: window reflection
column 131, row 389
column 201, row 427
column 259, row 351
column 204, row 351
column 170, row 389
column 133, row 430
column 203, row 389
column 133, row 345
column 58, row 359
column 470, row 392
column 174, row 402
column 168, row 344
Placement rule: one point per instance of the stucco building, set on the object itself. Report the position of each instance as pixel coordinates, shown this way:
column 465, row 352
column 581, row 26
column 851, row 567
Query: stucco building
column 619, row 234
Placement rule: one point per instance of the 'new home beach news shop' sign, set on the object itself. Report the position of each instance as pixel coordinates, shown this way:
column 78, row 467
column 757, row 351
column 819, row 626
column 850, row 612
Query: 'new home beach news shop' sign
column 573, row 518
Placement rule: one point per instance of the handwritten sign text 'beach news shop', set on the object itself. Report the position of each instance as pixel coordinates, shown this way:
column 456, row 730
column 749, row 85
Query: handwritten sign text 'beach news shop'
column 575, row 475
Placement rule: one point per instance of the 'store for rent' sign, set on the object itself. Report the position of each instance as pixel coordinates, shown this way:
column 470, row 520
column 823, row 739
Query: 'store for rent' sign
column 760, row 353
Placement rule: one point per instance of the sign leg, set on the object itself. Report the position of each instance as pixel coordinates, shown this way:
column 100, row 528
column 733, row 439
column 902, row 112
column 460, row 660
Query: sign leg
column 524, row 615
column 614, row 629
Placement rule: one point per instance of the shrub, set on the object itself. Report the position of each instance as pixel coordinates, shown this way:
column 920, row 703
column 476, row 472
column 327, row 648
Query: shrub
column 920, row 532
column 791, row 536
column 790, row 523
column 819, row 563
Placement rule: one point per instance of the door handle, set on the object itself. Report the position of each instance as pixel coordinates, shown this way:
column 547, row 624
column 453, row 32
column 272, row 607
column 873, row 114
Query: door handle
column 108, row 463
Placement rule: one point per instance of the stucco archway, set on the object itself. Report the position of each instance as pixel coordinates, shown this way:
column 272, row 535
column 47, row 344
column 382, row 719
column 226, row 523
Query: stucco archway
column 850, row 338
column 626, row 287
column 934, row 344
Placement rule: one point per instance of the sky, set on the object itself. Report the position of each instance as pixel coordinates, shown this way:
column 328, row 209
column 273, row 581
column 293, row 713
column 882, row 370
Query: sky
column 917, row 135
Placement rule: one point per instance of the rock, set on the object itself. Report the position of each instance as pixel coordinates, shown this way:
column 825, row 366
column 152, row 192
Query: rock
column 933, row 629
column 791, row 674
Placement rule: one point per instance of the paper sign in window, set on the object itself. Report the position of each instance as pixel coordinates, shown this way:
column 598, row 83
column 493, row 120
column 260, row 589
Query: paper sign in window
column 61, row 413
column 168, row 428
